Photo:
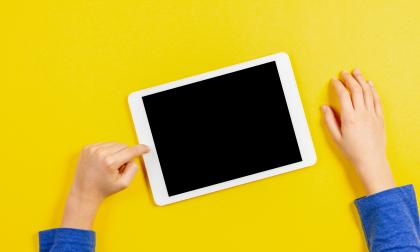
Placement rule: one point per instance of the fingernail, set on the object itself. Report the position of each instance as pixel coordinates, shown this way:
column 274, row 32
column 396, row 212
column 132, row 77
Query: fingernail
column 147, row 148
column 324, row 108
column 356, row 71
column 370, row 83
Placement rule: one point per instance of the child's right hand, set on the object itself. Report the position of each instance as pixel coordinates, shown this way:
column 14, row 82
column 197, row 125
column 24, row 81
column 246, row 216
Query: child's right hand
column 358, row 130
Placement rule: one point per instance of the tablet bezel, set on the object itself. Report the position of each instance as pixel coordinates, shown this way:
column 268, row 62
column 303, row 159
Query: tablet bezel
column 297, row 115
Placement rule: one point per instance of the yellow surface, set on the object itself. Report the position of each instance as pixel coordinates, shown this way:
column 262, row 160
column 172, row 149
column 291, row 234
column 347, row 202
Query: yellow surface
column 67, row 67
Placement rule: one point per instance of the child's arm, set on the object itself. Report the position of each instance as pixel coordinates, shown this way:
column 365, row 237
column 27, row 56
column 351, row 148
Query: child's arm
column 103, row 169
column 389, row 215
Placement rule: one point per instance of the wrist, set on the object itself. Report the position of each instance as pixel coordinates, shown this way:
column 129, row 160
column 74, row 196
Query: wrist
column 376, row 175
column 80, row 210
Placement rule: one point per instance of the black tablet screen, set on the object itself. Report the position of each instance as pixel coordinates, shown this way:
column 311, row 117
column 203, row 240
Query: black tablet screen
column 222, row 128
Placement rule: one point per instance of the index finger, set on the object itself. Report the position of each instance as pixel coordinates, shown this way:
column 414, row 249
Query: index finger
column 125, row 155
column 343, row 95
column 355, row 89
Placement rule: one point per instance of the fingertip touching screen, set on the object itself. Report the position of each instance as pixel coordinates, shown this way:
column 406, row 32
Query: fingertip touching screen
column 222, row 128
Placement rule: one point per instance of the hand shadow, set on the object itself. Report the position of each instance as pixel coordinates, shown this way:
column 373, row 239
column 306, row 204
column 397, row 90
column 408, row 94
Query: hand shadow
column 351, row 175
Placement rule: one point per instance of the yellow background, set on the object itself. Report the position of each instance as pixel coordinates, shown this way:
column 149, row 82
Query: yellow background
column 67, row 67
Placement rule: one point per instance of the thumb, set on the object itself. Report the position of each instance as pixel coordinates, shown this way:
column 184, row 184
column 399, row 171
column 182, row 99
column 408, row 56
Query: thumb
column 129, row 173
column 332, row 122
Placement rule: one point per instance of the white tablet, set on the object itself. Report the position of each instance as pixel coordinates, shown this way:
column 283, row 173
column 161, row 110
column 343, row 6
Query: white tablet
column 222, row 129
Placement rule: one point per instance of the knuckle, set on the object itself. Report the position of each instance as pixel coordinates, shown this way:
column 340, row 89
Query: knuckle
column 347, row 78
column 357, row 90
column 108, row 161
column 131, row 152
column 134, row 151
column 342, row 93
column 365, row 87
column 89, row 149
column 365, row 90
column 93, row 149
column 86, row 148
column 101, row 154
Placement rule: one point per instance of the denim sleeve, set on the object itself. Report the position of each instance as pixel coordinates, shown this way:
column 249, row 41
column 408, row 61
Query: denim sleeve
column 390, row 220
column 66, row 239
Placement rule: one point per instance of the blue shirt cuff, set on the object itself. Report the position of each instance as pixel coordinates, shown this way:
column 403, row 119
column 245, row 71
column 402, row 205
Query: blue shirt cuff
column 388, row 197
column 67, row 235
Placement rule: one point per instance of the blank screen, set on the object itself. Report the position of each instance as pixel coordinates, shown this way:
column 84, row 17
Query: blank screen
column 222, row 128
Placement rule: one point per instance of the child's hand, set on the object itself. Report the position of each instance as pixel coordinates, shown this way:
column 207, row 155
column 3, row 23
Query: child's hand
column 103, row 169
column 358, row 129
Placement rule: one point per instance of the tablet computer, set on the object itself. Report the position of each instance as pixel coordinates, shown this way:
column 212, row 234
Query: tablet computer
column 222, row 129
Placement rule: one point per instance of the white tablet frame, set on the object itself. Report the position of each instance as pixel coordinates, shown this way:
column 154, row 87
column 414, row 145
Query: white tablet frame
column 294, row 105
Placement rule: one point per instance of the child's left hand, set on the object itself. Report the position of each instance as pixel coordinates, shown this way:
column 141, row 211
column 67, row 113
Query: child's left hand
column 103, row 169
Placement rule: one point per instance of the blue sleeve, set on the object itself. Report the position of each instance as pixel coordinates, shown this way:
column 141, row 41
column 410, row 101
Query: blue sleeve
column 390, row 220
column 66, row 239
